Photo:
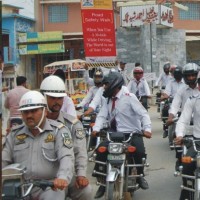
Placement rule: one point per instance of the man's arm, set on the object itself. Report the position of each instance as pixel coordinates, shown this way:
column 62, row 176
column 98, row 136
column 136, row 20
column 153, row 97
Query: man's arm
column 87, row 98
column 185, row 118
column 184, row 121
column 87, row 78
column 65, row 154
column 101, row 117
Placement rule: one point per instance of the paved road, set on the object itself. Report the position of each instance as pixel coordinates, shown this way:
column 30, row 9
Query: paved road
column 162, row 183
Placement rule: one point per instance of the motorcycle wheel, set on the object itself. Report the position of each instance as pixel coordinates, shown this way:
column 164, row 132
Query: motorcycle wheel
column 113, row 190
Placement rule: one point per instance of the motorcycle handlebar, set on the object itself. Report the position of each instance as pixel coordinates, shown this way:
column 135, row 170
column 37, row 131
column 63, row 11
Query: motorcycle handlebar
column 43, row 184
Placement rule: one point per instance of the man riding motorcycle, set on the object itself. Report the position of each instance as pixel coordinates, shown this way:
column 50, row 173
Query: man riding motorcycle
column 191, row 110
column 190, row 71
column 139, row 86
column 97, row 79
column 53, row 89
column 171, row 89
column 125, row 114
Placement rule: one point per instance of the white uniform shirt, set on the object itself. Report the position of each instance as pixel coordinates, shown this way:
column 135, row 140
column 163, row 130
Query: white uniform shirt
column 181, row 97
column 124, row 73
column 68, row 106
column 164, row 79
column 141, row 86
column 129, row 114
column 191, row 107
column 90, row 95
column 99, row 98
column 172, row 87
column 87, row 78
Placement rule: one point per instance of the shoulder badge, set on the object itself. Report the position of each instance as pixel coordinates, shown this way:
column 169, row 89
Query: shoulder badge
column 70, row 118
column 67, row 140
column 80, row 133
column 56, row 124
column 17, row 127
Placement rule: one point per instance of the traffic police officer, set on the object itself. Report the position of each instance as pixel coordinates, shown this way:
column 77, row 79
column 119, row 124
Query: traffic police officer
column 129, row 115
column 191, row 110
column 44, row 146
column 53, row 89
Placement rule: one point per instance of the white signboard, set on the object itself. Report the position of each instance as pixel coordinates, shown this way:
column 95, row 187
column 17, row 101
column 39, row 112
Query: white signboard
column 166, row 16
column 150, row 76
column 138, row 15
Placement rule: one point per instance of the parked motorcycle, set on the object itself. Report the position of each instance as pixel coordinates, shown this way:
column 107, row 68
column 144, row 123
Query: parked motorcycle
column 121, row 169
column 15, row 187
column 193, row 182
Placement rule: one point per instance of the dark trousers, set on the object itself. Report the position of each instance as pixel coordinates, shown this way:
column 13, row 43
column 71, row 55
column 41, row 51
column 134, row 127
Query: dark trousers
column 137, row 141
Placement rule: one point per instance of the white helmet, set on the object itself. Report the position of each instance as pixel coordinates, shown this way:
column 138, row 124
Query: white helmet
column 53, row 86
column 32, row 100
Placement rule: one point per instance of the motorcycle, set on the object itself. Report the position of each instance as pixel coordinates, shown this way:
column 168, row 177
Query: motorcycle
column 193, row 182
column 121, row 169
column 164, row 106
column 158, row 99
column 14, row 186
column 88, row 122
column 144, row 101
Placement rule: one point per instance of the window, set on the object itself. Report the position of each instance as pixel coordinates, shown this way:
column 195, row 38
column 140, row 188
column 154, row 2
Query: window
column 193, row 12
column 57, row 13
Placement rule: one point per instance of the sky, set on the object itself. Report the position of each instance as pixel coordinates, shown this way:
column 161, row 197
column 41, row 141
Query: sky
column 28, row 6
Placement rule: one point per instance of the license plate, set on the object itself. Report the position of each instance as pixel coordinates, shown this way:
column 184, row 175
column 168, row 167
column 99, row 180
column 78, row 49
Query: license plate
column 116, row 157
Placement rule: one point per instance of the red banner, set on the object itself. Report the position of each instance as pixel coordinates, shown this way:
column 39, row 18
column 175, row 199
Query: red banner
column 98, row 32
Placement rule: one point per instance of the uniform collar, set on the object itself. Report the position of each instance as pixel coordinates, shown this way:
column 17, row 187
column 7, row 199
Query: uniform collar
column 25, row 129
column 61, row 118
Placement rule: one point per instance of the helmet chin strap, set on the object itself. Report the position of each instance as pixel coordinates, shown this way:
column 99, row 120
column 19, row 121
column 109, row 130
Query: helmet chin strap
column 40, row 122
column 45, row 96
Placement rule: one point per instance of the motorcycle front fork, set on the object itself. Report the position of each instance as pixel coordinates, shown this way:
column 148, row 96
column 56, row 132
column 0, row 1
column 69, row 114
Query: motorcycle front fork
column 119, row 176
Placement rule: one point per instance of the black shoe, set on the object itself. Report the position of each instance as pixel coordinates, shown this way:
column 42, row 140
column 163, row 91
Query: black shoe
column 178, row 163
column 143, row 183
column 165, row 134
column 100, row 192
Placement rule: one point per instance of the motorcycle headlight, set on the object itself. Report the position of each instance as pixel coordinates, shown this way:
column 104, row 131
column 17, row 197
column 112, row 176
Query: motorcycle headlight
column 115, row 148
column 87, row 118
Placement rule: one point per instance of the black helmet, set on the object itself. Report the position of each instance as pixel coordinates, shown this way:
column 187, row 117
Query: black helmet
column 190, row 69
column 114, row 80
column 178, row 74
column 98, row 76
column 166, row 66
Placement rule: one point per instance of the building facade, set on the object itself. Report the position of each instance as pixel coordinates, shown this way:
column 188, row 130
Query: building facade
column 12, row 24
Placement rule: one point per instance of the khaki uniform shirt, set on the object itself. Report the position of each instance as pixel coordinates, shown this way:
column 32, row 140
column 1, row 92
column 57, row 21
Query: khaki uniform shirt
column 79, row 141
column 48, row 155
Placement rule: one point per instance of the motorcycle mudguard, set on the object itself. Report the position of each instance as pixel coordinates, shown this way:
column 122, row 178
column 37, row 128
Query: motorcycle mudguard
column 112, row 175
